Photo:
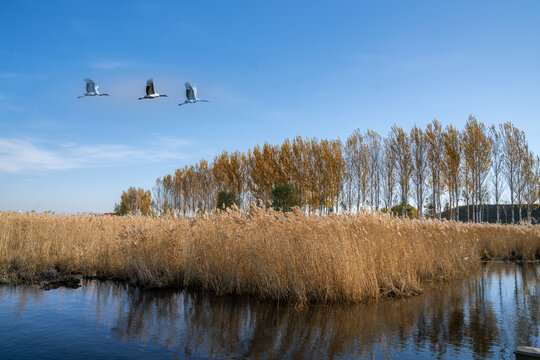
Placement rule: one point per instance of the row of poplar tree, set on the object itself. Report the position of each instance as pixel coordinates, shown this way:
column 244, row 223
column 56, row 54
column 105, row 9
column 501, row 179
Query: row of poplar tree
column 435, row 168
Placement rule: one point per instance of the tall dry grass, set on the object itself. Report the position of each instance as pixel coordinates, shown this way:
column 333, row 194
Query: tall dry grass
column 295, row 257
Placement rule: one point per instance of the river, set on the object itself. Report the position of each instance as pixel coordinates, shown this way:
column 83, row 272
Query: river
column 484, row 317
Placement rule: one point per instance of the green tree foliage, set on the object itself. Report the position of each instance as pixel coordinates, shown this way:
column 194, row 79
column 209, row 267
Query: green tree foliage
column 398, row 210
column 225, row 200
column 284, row 197
column 120, row 209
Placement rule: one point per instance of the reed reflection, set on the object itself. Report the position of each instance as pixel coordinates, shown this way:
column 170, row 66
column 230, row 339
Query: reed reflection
column 481, row 318
column 25, row 295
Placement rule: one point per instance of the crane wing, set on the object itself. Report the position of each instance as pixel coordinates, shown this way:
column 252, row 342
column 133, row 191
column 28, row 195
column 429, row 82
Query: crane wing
column 190, row 92
column 150, row 87
column 90, row 86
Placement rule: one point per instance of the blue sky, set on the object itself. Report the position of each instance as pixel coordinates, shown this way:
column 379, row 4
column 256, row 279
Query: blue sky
column 271, row 70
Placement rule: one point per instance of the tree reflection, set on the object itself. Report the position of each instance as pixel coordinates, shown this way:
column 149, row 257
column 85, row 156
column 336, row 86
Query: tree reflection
column 485, row 317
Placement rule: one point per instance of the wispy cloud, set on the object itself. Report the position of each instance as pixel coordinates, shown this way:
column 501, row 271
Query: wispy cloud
column 9, row 75
column 170, row 142
column 9, row 106
column 8, row 53
column 43, row 123
column 108, row 64
column 20, row 155
column 112, row 64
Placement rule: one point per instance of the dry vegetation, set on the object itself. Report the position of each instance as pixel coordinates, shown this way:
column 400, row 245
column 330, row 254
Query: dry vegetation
column 295, row 257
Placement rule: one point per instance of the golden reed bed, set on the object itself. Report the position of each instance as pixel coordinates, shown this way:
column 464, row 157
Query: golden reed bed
column 297, row 258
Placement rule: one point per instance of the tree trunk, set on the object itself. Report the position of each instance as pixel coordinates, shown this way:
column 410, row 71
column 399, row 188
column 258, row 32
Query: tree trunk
column 457, row 201
column 512, row 206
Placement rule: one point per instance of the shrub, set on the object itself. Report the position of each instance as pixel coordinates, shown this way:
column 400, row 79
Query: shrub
column 284, row 197
column 225, row 200
column 396, row 210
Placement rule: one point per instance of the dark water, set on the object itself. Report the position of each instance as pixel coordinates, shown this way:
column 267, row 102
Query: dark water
column 482, row 318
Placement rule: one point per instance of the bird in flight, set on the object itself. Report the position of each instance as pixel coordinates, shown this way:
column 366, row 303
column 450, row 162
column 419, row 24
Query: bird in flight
column 150, row 93
column 91, row 89
column 191, row 95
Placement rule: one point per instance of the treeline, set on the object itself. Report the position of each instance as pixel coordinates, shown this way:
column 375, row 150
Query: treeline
column 437, row 169
column 315, row 168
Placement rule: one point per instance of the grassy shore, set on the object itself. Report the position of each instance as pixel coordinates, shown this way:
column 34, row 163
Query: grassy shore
column 297, row 258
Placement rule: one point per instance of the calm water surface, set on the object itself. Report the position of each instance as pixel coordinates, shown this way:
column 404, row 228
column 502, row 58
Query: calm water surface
column 482, row 318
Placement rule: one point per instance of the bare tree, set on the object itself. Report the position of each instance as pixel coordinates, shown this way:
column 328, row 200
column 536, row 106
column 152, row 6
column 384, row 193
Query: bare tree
column 158, row 196
column 435, row 162
column 399, row 143
column 419, row 154
column 388, row 174
column 496, row 166
column 360, row 165
column 373, row 141
column 531, row 191
column 350, row 185
column 522, row 177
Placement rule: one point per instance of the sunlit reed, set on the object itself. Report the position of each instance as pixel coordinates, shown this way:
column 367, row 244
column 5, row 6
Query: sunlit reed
column 263, row 253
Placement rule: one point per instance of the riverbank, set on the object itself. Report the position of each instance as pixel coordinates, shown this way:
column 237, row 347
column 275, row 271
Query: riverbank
column 296, row 258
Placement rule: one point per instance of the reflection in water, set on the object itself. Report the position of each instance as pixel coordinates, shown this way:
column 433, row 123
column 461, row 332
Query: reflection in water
column 480, row 318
